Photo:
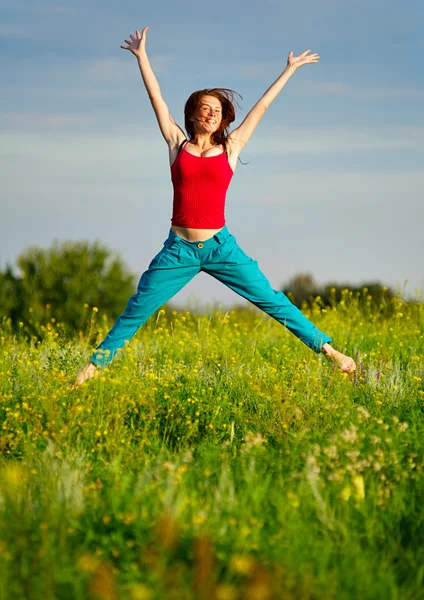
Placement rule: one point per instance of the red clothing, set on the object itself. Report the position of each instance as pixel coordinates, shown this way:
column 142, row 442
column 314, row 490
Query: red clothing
column 200, row 185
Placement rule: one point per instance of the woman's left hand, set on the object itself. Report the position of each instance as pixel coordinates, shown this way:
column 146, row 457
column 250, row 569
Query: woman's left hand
column 302, row 59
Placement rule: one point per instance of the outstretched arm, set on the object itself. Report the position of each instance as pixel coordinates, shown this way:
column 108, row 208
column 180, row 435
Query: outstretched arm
column 240, row 136
column 172, row 133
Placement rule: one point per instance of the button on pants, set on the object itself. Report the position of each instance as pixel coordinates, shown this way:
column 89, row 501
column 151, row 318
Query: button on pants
column 220, row 256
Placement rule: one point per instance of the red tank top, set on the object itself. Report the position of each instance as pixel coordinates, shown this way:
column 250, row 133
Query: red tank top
column 200, row 185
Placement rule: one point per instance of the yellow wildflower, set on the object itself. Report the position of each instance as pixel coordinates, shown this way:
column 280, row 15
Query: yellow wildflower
column 139, row 591
column 346, row 493
column 242, row 564
column 359, row 487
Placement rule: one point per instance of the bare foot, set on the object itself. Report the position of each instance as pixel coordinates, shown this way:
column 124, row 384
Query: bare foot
column 345, row 363
column 89, row 371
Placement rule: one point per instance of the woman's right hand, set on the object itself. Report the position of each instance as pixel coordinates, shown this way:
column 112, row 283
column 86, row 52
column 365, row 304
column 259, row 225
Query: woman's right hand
column 137, row 44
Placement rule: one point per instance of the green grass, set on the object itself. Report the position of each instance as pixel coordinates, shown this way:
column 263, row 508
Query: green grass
column 217, row 458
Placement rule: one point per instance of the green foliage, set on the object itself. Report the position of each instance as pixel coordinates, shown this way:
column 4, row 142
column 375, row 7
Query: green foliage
column 303, row 289
column 9, row 295
column 217, row 457
column 59, row 282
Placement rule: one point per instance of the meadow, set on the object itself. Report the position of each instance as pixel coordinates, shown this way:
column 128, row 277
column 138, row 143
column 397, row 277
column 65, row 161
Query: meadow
column 217, row 458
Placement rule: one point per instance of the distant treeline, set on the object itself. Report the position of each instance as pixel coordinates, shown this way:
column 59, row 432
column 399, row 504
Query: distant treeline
column 303, row 289
column 69, row 281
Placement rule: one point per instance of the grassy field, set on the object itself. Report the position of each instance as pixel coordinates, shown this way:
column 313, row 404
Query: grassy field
column 217, row 458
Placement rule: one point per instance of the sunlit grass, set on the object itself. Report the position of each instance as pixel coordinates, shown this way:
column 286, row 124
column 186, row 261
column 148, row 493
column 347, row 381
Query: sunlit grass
column 217, row 457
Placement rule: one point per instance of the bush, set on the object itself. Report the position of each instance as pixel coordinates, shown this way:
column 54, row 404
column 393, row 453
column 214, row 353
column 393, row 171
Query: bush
column 56, row 283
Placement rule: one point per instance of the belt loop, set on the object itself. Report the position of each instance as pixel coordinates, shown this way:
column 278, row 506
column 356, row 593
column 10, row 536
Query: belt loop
column 221, row 235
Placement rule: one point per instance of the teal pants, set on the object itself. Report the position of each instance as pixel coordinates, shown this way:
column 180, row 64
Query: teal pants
column 220, row 256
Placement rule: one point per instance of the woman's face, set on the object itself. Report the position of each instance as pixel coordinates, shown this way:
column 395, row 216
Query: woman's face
column 208, row 116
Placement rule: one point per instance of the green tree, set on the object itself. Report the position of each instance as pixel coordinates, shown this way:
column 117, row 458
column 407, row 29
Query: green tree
column 58, row 282
column 9, row 294
column 301, row 288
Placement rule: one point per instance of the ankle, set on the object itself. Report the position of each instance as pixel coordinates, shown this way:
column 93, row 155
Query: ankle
column 327, row 350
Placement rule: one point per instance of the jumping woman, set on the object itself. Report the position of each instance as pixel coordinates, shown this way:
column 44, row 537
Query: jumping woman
column 202, row 165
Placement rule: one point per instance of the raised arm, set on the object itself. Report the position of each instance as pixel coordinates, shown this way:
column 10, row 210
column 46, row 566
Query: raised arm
column 172, row 133
column 241, row 135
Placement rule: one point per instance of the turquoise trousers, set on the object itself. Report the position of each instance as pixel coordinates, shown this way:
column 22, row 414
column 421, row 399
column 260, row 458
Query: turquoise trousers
column 220, row 256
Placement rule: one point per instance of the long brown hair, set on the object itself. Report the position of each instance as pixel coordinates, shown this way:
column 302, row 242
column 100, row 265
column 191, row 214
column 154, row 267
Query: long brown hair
column 228, row 102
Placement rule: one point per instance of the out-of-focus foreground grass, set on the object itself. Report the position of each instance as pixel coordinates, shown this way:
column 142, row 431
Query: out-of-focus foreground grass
column 216, row 458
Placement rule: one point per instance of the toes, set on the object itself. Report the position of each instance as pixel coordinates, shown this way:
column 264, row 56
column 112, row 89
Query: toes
column 86, row 373
column 348, row 366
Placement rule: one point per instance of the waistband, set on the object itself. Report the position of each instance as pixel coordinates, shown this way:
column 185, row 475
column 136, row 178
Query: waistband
column 219, row 237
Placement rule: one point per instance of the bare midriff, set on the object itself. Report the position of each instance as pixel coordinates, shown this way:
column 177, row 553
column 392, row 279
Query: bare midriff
column 194, row 235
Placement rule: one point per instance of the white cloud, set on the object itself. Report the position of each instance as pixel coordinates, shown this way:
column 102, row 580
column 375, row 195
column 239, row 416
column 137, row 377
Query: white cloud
column 50, row 163
column 69, row 154
column 161, row 63
column 43, row 121
column 54, row 9
column 335, row 88
column 47, row 91
column 295, row 140
column 284, row 140
column 270, row 70
column 254, row 70
column 113, row 70
column 105, row 70
column 102, row 164
column 345, row 191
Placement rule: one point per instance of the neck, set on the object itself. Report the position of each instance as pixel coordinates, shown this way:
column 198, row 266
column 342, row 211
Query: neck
column 203, row 140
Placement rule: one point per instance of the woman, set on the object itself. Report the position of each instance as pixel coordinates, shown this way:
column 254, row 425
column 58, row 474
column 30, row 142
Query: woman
column 202, row 166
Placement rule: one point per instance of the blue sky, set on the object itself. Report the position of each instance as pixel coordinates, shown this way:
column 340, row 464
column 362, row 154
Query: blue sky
column 334, row 180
